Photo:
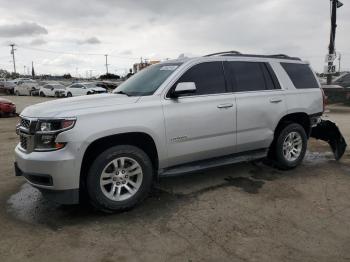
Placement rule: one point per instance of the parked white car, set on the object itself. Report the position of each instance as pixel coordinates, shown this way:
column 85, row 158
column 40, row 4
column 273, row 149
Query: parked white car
column 26, row 88
column 79, row 89
column 56, row 90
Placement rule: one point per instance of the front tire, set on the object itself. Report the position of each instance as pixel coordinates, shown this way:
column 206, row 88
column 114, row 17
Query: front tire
column 290, row 146
column 69, row 94
column 119, row 178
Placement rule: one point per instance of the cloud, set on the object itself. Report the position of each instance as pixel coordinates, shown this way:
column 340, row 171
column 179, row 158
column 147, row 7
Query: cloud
column 22, row 29
column 66, row 60
column 169, row 28
column 37, row 41
column 126, row 52
column 89, row 41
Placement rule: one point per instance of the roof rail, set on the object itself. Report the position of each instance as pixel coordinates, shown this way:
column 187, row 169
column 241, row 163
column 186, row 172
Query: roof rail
column 235, row 53
column 224, row 53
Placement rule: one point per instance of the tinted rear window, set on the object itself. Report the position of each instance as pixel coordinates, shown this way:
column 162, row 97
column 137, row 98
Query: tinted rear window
column 301, row 75
column 250, row 76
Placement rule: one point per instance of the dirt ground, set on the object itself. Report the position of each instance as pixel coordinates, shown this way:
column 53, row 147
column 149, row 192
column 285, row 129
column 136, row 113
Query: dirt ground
column 247, row 212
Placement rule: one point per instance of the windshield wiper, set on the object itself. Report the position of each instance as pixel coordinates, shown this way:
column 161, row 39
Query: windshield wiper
column 122, row 93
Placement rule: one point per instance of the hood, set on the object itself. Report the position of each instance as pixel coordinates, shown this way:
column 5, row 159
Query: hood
column 5, row 101
column 75, row 106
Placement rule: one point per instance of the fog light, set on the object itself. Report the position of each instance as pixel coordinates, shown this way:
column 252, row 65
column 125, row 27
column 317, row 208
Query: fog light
column 47, row 139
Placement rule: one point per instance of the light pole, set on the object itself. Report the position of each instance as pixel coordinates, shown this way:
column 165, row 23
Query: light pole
column 335, row 4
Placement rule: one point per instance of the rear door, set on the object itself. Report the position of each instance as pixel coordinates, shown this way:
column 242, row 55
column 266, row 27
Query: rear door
column 201, row 125
column 260, row 103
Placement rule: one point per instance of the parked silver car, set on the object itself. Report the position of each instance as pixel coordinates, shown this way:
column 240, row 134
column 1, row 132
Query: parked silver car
column 175, row 117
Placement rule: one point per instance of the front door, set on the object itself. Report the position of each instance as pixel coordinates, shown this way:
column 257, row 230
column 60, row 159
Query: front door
column 202, row 125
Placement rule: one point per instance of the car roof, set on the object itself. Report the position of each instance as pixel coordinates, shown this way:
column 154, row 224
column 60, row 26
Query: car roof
column 234, row 55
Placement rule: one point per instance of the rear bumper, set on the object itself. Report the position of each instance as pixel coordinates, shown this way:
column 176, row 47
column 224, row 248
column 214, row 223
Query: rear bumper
column 65, row 197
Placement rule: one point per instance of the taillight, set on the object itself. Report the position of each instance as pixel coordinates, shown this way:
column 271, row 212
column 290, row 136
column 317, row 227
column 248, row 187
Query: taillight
column 324, row 98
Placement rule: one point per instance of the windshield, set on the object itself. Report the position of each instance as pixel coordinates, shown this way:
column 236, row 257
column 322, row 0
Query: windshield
column 148, row 80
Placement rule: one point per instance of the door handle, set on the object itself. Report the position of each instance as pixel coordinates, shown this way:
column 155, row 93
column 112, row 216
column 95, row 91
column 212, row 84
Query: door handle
column 275, row 100
column 225, row 106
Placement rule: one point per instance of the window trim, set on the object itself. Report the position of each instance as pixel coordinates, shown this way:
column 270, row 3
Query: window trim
column 273, row 76
column 227, row 88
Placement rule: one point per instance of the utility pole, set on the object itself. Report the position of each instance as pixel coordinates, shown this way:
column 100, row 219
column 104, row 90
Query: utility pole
column 106, row 64
column 13, row 57
column 24, row 69
column 335, row 4
column 339, row 60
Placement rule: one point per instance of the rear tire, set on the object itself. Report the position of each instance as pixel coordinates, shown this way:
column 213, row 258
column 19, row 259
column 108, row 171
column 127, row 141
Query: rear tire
column 290, row 146
column 119, row 178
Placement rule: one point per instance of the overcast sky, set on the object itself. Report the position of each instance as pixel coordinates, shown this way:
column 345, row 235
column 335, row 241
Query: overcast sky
column 78, row 33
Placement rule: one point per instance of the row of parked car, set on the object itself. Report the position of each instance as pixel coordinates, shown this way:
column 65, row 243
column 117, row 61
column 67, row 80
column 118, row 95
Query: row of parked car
column 341, row 81
column 29, row 87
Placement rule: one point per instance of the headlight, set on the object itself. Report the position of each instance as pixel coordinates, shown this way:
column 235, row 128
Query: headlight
column 47, row 132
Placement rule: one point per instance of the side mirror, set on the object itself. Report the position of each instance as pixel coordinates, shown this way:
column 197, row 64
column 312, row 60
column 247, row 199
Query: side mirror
column 183, row 88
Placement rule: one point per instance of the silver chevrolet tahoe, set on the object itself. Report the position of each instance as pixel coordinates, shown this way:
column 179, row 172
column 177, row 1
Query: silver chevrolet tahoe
column 175, row 117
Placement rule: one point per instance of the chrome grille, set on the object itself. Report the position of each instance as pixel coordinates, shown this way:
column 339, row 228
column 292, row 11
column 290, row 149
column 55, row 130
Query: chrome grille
column 25, row 123
column 23, row 142
column 26, row 135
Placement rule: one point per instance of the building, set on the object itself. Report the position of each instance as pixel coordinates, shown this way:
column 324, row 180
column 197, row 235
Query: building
column 139, row 66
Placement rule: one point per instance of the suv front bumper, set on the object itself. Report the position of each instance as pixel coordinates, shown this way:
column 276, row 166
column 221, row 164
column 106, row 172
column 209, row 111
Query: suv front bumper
column 56, row 174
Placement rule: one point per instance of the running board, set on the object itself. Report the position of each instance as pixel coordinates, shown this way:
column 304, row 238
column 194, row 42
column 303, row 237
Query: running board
column 212, row 163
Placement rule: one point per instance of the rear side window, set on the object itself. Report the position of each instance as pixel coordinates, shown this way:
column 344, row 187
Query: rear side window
column 208, row 77
column 250, row 76
column 301, row 75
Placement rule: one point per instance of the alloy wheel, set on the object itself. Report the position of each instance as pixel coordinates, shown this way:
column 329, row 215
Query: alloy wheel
column 121, row 178
column 292, row 146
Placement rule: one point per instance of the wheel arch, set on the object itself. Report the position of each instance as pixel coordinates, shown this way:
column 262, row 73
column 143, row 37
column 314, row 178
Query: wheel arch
column 139, row 139
column 300, row 118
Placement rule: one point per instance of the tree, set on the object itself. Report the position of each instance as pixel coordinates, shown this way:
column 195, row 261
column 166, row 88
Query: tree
column 67, row 76
column 109, row 76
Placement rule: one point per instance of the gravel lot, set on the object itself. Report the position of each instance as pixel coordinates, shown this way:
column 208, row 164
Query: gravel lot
column 247, row 212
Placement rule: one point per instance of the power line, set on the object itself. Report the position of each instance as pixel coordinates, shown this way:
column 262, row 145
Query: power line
column 73, row 53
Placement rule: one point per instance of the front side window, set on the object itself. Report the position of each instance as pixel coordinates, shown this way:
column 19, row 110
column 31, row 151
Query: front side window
column 90, row 85
column 301, row 75
column 147, row 81
column 208, row 77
